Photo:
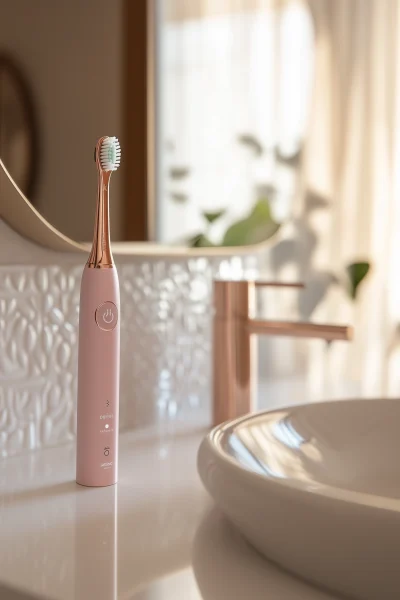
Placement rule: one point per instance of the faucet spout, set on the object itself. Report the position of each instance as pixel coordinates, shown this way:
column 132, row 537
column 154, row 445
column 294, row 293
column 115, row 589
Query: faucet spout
column 302, row 330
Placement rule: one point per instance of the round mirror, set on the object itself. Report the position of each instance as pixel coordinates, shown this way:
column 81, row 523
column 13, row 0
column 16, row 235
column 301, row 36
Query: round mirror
column 211, row 137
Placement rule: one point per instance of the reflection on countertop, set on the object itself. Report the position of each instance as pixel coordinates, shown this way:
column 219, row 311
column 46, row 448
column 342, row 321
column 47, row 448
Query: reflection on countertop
column 225, row 566
column 151, row 537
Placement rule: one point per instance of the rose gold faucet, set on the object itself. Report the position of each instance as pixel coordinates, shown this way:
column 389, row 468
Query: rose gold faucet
column 235, row 327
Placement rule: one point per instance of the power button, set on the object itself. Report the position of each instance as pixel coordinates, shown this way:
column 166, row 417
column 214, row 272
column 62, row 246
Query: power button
column 106, row 316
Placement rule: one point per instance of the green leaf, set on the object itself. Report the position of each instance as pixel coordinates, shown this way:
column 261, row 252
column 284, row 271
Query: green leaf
column 179, row 198
column 210, row 217
column 356, row 273
column 200, row 241
column 179, row 172
column 257, row 227
column 251, row 142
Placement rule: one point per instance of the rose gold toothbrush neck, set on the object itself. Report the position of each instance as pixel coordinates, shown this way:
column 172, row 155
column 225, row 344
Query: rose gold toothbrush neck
column 100, row 256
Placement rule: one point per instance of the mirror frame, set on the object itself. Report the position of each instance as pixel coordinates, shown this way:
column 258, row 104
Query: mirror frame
column 25, row 219
column 10, row 67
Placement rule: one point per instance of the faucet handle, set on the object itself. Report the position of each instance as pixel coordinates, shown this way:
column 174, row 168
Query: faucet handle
column 280, row 284
column 237, row 298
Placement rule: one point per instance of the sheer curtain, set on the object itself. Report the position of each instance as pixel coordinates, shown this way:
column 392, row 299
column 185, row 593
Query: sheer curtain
column 235, row 81
column 352, row 160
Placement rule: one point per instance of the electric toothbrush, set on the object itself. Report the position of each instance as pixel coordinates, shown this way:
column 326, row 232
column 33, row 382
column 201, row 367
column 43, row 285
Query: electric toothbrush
column 99, row 345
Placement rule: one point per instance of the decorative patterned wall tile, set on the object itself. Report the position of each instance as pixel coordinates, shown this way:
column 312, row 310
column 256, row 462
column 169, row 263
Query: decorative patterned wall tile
column 165, row 345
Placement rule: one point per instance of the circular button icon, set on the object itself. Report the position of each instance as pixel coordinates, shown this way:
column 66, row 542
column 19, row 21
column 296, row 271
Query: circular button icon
column 107, row 316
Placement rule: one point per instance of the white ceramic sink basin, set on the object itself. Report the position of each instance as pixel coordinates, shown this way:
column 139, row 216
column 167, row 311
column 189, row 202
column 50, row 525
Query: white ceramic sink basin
column 316, row 488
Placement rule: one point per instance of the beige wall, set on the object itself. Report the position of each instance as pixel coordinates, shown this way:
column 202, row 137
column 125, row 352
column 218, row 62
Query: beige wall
column 71, row 54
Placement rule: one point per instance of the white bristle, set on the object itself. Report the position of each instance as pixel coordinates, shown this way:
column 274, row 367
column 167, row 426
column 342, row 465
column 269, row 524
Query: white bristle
column 110, row 154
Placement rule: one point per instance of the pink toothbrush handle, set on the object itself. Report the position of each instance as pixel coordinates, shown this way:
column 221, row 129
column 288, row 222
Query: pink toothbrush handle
column 98, row 378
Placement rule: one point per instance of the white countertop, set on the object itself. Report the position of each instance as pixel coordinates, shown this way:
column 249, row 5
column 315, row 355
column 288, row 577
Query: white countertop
column 153, row 536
